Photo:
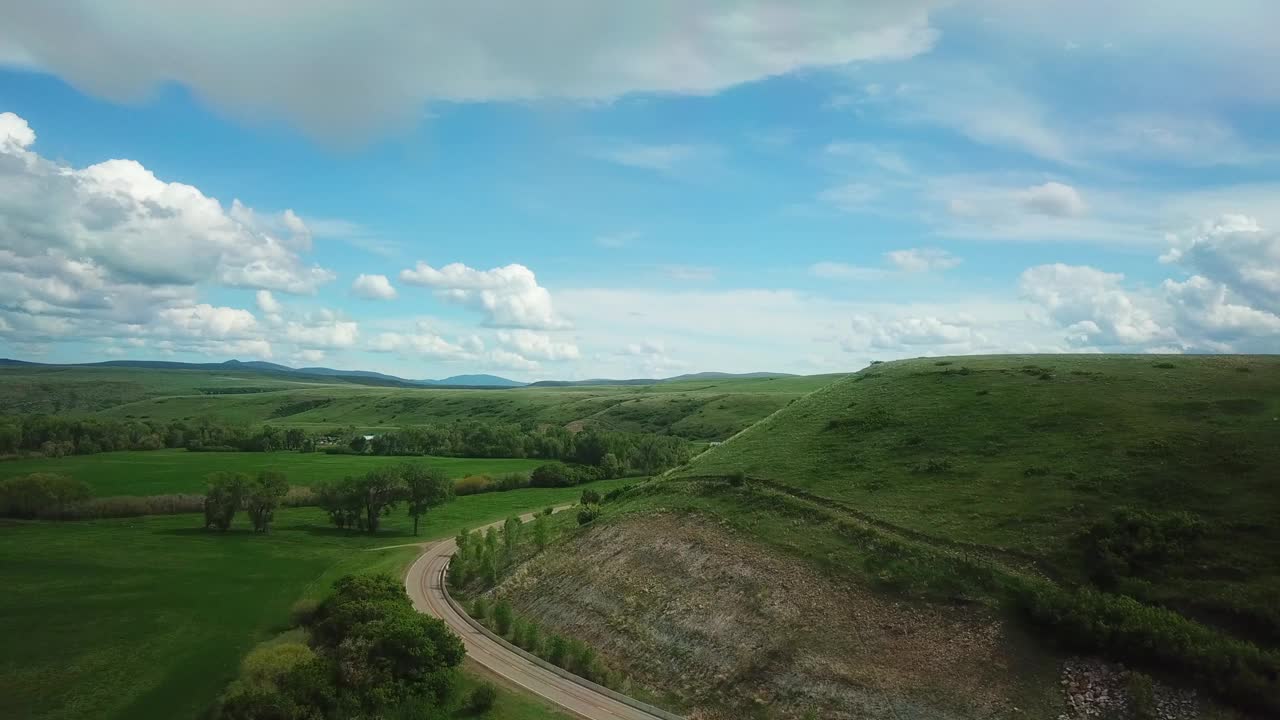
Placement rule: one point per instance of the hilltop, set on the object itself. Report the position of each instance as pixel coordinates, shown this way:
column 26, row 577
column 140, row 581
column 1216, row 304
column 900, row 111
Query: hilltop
column 1023, row 506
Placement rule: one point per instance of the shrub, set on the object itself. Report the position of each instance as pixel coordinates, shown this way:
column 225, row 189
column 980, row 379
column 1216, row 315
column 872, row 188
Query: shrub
column 589, row 497
column 473, row 485
column 932, row 466
column 1142, row 700
column 615, row 493
column 40, row 494
column 1131, row 542
column 268, row 664
column 482, row 698
column 503, row 617
column 480, row 609
column 557, row 651
column 555, row 474
column 588, row 514
column 738, row 478
column 1121, row 627
column 511, row 481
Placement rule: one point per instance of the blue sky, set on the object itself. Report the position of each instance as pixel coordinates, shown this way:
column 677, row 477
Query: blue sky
column 566, row 190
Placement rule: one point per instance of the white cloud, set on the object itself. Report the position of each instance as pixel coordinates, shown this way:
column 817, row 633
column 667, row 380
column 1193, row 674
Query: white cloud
column 281, row 60
column 207, row 321
column 267, row 303
column 663, row 158
column 373, row 287
column 309, row 357
column 509, row 296
column 920, row 260
column 136, row 228
column 1237, row 252
column 829, row 270
column 1052, row 198
column 537, row 345
column 324, row 330
column 1093, row 306
column 420, row 344
column 882, row 333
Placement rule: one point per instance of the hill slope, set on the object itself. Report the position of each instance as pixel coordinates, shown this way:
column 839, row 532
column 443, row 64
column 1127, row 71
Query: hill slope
column 989, row 486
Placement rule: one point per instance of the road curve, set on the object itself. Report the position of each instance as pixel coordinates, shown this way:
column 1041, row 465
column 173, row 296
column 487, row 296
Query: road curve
column 425, row 585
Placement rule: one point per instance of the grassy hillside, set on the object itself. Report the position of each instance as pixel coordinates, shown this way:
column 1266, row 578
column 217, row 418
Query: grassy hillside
column 1025, row 453
column 984, row 491
column 695, row 409
column 149, row 617
column 160, row 472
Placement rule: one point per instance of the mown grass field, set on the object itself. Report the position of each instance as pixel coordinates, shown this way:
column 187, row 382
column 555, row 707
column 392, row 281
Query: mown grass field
column 1026, row 452
column 697, row 410
column 160, row 472
column 149, row 617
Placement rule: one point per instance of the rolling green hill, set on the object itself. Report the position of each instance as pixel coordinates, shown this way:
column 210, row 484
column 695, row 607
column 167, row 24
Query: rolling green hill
column 699, row 409
column 1122, row 505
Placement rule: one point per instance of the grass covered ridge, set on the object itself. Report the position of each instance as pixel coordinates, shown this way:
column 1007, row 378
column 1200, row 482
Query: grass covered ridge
column 1029, row 453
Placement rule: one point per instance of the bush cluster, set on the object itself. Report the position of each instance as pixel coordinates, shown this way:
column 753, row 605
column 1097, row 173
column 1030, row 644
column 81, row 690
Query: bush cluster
column 40, row 495
column 1119, row 626
column 369, row 654
column 476, row 484
column 1131, row 542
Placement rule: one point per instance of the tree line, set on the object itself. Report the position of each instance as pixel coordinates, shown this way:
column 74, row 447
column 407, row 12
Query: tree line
column 616, row 453
column 359, row 502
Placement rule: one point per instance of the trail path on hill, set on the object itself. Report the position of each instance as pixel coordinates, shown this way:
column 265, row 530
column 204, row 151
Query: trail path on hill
column 425, row 585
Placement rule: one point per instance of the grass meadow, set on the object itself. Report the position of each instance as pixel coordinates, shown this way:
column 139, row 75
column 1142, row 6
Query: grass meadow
column 149, row 617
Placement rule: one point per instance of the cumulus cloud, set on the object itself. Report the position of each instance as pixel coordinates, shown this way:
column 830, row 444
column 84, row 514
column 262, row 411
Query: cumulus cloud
column 510, row 296
column 420, row 344
column 537, row 345
column 374, row 287
column 919, row 260
column 280, row 59
column 139, row 229
column 910, row 332
column 1237, row 252
column 1093, row 306
column 323, row 330
column 1052, row 198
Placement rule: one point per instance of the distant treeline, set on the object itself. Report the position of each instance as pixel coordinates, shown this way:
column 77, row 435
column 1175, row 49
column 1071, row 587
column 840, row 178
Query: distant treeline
column 614, row 452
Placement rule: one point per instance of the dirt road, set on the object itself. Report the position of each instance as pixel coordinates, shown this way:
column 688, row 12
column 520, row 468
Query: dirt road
column 424, row 584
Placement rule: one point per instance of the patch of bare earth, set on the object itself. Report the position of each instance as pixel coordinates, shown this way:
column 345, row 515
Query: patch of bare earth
column 730, row 630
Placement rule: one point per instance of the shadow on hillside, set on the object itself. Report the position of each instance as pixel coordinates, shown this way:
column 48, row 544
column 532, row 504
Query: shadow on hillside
column 330, row 531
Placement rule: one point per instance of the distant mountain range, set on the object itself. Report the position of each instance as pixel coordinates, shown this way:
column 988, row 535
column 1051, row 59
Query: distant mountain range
column 368, row 377
column 656, row 381
column 359, row 377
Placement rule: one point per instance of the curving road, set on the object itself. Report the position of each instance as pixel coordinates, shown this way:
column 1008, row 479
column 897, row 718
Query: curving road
column 425, row 585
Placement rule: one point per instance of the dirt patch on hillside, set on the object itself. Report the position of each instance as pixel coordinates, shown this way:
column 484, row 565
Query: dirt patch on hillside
column 730, row 630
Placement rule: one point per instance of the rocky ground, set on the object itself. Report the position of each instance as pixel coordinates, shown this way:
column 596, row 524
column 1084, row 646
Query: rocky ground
column 727, row 629
column 1096, row 689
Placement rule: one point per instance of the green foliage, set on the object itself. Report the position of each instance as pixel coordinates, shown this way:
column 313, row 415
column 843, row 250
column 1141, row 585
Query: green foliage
column 589, row 497
column 541, row 532
column 480, row 609
column 482, row 698
column 425, row 488
column 262, row 496
column 1121, row 627
column 588, row 514
column 502, row 617
column 558, row 651
column 1142, row 700
column 1133, row 542
column 370, row 653
column 224, row 498
column 737, row 478
column 40, row 494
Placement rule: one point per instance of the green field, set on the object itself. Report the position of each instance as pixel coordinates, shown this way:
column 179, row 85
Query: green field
column 160, row 472
column 697, row 410
column 149, row 617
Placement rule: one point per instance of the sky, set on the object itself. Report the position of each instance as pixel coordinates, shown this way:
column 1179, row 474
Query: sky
column 565, row 189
